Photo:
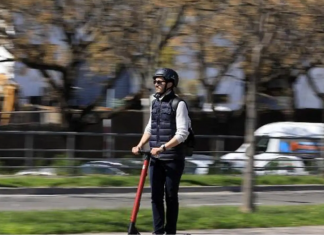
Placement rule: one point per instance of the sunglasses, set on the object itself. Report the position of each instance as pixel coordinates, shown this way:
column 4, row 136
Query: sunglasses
column 158, row 82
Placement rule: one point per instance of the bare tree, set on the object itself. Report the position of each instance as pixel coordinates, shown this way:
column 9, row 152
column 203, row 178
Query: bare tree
column 278, row 33
column 264, row 36
column 152, row 42
column 106, row 35
column 85, row 31
column 204, row 35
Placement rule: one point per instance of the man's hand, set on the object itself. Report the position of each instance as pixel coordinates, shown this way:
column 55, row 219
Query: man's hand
column 156, row 151
column 136, row 150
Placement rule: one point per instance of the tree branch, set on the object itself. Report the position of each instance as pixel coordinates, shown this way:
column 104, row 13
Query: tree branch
column 48, row 78
column 7, row 60
column 173, row 29
column 128, row 104
column 236, row 54
column 43, row 66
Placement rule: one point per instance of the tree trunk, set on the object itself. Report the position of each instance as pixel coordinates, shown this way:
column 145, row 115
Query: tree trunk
column 250, row 126
column 248, row 182
column 291, row 116
column 210, row 92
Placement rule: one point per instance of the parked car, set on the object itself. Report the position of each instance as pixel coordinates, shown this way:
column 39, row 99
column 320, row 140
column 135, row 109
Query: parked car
column 38, row 172
column 102, row 167
column 198, row 164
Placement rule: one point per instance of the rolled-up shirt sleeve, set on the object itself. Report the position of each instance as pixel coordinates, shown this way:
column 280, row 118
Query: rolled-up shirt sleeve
column 148, row 126
column 183, row 122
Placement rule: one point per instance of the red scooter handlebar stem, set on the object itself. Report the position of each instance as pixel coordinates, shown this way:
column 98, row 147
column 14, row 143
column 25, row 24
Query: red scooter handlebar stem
column 140, row 186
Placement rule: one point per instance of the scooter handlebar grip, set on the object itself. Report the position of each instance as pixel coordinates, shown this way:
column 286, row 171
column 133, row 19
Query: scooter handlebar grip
column 144, row 152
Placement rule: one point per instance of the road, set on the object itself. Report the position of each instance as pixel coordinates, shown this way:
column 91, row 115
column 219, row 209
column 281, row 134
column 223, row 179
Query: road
column 318, row 230
column 105, row 201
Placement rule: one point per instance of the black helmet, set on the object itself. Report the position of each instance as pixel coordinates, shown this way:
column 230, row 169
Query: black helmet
column 168, row 74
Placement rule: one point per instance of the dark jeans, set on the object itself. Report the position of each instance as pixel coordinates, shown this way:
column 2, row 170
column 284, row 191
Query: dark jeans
column 165, row 179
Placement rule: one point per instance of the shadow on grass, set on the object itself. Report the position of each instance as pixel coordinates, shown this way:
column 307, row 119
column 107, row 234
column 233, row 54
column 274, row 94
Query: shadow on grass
column 8, row 186
column 194, row 182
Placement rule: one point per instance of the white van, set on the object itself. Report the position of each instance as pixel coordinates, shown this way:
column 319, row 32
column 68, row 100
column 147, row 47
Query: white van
column 279, row 142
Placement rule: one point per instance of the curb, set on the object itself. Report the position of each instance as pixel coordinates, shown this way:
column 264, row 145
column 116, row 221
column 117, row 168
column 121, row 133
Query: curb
column 121, row 190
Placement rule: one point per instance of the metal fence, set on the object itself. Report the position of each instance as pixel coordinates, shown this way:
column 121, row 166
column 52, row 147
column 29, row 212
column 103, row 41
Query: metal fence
column 73, row 157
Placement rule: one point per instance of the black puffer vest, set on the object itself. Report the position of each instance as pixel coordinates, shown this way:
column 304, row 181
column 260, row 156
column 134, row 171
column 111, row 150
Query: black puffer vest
column 163, row 128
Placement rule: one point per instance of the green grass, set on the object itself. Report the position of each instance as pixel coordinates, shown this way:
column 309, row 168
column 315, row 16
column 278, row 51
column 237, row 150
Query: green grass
column 187, row 180
column 83, row 221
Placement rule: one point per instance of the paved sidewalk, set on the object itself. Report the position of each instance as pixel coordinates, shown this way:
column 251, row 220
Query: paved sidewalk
column 255, row 231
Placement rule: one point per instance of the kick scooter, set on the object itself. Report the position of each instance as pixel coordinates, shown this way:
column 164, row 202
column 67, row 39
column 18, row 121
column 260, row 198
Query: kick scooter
column 132, row 230
column 132, row 225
